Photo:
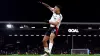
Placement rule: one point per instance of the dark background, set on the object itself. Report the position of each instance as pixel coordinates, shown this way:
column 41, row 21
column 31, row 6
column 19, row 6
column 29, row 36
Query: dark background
column 30, row 10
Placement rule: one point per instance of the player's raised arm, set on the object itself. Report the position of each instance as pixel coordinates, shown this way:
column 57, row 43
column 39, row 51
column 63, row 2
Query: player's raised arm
column 49, row 7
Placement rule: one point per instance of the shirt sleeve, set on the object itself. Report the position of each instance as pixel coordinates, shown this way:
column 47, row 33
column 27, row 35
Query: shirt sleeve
column 52, row 9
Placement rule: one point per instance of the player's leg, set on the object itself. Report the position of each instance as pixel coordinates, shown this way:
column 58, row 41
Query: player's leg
column 51, row 41
column 45, row 39
column 53, row 34
column 45, row 44
column 48, row 52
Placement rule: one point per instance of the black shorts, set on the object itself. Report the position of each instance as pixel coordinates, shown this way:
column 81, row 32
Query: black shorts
column 52, row 30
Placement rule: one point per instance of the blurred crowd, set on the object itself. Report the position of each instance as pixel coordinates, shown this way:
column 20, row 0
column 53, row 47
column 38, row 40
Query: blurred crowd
column 33, row 51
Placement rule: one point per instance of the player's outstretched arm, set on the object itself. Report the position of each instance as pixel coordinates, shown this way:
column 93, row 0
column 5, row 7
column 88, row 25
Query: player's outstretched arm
column 46, row 5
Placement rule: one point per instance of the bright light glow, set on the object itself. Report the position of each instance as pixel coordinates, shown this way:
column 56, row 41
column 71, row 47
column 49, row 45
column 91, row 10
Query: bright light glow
column 10, row 35
column 68, row 35
column 15, row 35
column 27, row 35
column 59, row 35
column 37, row 35
column 44, row 27
column 74, row 35
column 32, row 27
column 99, row 35
column 21, row 27
column 21, row 35
column 63, row 35
column 18, row 42
column 9, row 26
column 84, row 35
column 89, row 27
column 89, row 35
column 79, row 35
column 42, row 35
column 95, row 35
column 32, row 35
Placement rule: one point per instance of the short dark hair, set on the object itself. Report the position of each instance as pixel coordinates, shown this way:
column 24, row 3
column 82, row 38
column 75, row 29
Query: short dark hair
column 59, row 6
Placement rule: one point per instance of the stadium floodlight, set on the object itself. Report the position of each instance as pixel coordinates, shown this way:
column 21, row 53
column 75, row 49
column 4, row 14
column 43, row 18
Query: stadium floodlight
column 95, row 35
column 32, row 27
column 44, row 27
column 74, row 35
column 84, row 35
column 89, row 27
column 9, row 26
column 32, row 35
column 68, row 35
column 42, row 35
column 59, row 35
column 63, row 35
column 21, row 35
column 37, row 35
column 26, row 35
column 89, row 35
column 10, row 35
column 15, row 35
column 79, row 35
column 21, row 27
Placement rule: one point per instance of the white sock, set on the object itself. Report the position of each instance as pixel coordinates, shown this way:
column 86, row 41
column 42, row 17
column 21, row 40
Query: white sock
column 50, row 46
column 45, row 48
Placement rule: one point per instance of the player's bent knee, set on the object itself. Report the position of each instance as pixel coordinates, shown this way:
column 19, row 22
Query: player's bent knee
column 52, row 35
column 45, row 39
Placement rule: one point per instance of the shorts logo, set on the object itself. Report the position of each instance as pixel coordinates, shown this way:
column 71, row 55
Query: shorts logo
column 54, row 29
column 54, row 18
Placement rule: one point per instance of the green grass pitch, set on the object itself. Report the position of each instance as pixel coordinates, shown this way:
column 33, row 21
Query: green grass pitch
column 57, row 55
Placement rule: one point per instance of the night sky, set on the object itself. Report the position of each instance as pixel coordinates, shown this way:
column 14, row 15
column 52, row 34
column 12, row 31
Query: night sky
column 31, row 10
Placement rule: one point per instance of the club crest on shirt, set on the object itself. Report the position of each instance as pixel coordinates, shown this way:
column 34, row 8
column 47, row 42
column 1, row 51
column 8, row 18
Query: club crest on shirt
column 54, row 17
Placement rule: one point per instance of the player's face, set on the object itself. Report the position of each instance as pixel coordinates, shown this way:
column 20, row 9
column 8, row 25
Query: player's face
column 56, row 9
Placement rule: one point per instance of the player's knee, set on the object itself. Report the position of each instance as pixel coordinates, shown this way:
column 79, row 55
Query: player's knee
column 51, row 40
column 52, row 36
column 45, row 39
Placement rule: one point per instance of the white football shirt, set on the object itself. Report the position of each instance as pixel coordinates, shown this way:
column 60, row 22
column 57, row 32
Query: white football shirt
column 56, row 17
